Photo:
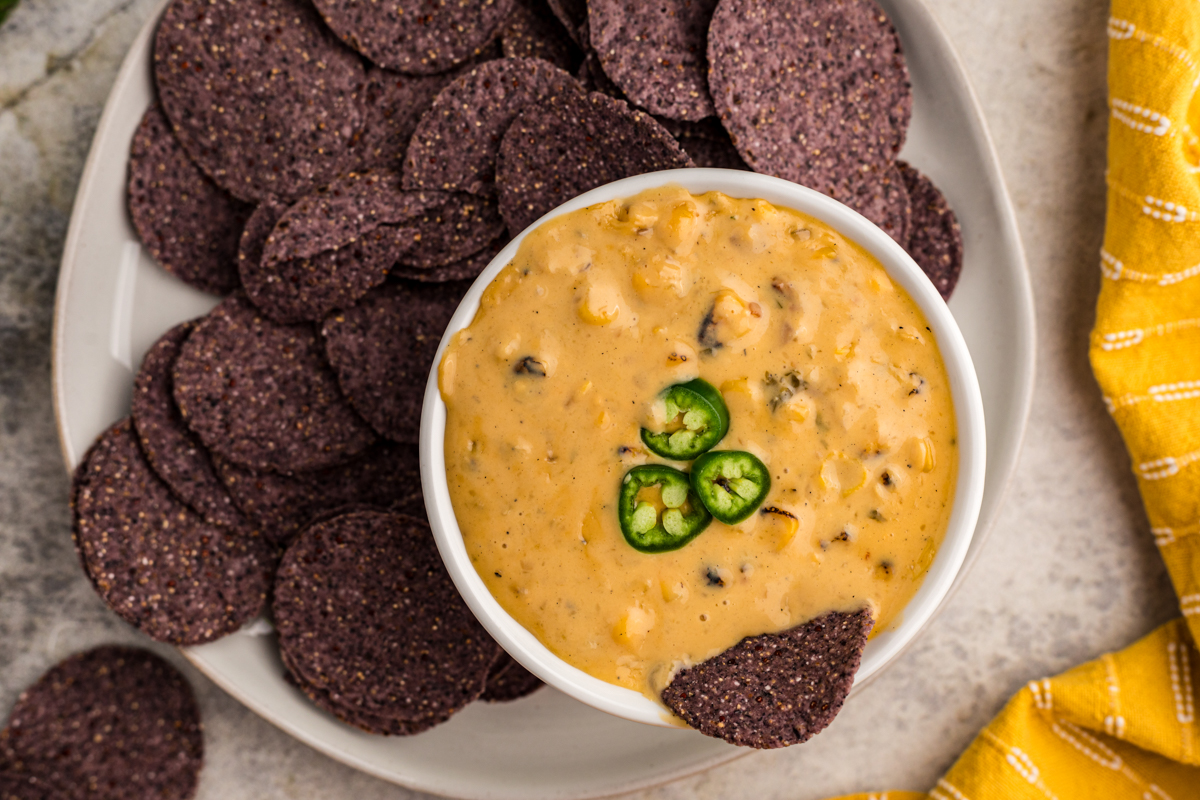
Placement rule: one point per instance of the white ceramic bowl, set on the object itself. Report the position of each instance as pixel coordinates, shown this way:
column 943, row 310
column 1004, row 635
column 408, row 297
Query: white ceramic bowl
column 968, row 407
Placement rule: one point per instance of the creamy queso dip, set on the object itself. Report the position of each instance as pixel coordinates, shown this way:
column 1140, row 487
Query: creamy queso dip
column 831, row 378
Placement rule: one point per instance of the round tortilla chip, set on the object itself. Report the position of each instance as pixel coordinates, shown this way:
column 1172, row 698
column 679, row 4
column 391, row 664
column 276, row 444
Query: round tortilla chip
column 713, row 154
column 112, row 722
column 656, row 52
column 532, row 32
column 19, row 786
column 383, row 350
column 573, row 143
column 816, row 93
column 366, row 612
column 706, row 142
column 508, row 681
column 461, row 227
column 175, row 453
column 573, row 15
column 467, row 269
column 153, row 560
column 261, row 95
column 455, row 145
column 936, row 242
column 884, row 201
column 777, row 689
column 591, row 76
column 387, row 476
column 416, row 36
column 355, row 716
column 188, row 223
column 392, row 104
column 262, row 394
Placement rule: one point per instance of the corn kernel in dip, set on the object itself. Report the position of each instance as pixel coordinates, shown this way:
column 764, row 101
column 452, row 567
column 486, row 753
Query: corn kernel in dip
column 831, row 379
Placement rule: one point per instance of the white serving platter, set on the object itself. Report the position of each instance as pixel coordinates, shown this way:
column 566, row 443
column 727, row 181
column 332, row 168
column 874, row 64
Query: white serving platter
column 113, row 302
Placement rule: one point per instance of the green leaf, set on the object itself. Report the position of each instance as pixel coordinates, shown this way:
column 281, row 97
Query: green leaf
column 5, row 7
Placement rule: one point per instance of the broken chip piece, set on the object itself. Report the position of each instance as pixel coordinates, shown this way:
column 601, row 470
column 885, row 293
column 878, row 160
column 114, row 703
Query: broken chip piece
column 777, row 689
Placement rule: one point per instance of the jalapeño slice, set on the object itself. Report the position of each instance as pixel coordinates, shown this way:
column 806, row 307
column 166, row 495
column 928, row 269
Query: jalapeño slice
column 696, row 420
column 656, row 522
column 731, row 484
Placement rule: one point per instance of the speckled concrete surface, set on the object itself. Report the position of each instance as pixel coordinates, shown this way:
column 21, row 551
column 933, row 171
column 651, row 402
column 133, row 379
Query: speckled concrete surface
column 1069, row 572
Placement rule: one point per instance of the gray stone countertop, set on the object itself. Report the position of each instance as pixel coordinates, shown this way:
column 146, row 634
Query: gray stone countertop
column 1070, row 570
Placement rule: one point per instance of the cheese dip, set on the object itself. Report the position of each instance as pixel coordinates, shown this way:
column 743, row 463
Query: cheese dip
column 830, row 376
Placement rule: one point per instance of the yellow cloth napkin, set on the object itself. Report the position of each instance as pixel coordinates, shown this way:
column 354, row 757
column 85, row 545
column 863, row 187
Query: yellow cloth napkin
column 1124, row 725
column 1145, row 348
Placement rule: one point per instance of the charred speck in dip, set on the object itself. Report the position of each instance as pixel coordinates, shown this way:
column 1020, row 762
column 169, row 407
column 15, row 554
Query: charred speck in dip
column 832, row 383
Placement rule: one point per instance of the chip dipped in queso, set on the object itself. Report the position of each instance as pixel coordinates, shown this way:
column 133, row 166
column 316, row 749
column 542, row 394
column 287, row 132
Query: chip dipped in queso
column 679, row 420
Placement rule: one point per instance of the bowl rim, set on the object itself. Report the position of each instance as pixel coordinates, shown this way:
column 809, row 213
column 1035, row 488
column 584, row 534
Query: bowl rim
column 883, row 649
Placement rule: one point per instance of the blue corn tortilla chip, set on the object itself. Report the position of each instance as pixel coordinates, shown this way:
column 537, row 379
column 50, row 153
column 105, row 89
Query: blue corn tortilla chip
column 387, row 476
column 884, row 200
column 573, row 143
column 706, row 142
column 713, row 153
column 366, row 613
column 416, row 36
column 455, row 145
column 113, row 722
column 18, row 785
column 305, row 289
column 331, row 247
column 334, row 215
column 457, row 229
column 507, row 681
column 656, row 52
column 392, row 104
column 175, row 453
column 466, row 269
column 592, row 77
column 777, row 689
column 573, row 16
column 936, row 241
column 261, row 96
column 532, row 32
column 188, row 223
column 816, row 93
column 383, row 349
column 353, row 715
column 254, row 234
column 153, row 560
column 262, row 394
